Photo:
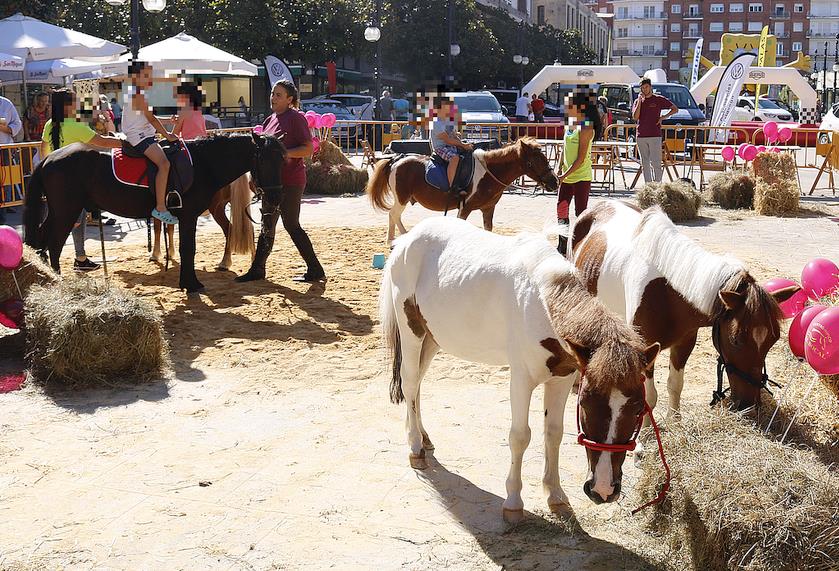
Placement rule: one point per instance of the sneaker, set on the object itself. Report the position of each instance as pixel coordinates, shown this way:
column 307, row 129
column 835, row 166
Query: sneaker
column 166, row 217
column 87, row 265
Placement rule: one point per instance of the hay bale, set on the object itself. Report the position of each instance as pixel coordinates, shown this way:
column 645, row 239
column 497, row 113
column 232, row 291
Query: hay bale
column 678, row 199
column 336, row 180
column 732, row 189
column 32, row 271
column 776, row 184
column 739, row 499
column 86, row 331
column 331, row 154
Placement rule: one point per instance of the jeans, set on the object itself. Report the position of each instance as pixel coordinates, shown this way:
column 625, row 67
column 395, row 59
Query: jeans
column 650, row 150
column 78, row 235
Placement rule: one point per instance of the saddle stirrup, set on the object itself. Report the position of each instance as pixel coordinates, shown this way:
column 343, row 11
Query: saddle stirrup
column 174, row 199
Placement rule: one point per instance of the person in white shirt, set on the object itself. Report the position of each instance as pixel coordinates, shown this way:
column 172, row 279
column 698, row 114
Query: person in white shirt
column 10, row 128
column 522, row 107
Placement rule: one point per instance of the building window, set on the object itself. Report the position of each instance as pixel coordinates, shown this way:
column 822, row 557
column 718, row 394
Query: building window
column 693, row 10
column 648, row 50
column 735, row 8
column 675, row 27
column 674, row 65
column 675, row 46
column 797, row 27
column 540, row 15
column 676, row 9
column 796, row 46
column 717, row 8
column 755, row 26
column 779, row 9
column 715, row 46
column 716, row 27
column 780, row 51
column 799, row 8
column 755, row 8
column 735, row 26
column 622, row 32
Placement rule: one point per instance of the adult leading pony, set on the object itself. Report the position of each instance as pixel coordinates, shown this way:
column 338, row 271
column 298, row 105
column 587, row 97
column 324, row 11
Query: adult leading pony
column 78, row 176
column 403, row 176
column 666, row 285
column 541, row 322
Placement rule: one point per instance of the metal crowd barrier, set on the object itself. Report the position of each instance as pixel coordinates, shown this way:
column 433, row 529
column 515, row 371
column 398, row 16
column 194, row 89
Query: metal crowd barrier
column 16, row 163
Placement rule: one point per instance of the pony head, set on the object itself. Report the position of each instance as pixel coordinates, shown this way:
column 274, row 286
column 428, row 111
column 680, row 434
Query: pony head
column 746, row 326
column 269, row 160
column 535, row 163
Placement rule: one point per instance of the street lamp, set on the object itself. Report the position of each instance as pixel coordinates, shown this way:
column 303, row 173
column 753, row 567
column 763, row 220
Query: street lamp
column 373, row 34
column 609, row 19
column 153, row 6
column 835, row 68
column 824, row 77
column 453, row 47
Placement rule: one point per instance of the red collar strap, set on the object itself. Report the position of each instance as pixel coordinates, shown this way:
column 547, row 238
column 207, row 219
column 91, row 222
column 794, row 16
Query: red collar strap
column 586, row 442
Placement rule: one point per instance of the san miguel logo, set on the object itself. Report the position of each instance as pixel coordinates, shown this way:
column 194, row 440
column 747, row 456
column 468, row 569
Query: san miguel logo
column 819, row 339
column 756, row 75
column 585, row 73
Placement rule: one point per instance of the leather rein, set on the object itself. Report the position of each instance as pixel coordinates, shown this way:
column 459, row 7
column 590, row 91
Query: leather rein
column 724, row 366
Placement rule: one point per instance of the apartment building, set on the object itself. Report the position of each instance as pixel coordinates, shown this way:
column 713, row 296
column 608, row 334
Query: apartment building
column 649, row 34
column 824, row 31
column 520, row 10
column 574, row 15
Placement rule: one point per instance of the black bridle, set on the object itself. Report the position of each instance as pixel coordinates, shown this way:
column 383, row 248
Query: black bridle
column 718, row 395
column 257, row 180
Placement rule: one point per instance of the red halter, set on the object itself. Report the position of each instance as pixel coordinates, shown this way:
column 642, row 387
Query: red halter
column 586, row 442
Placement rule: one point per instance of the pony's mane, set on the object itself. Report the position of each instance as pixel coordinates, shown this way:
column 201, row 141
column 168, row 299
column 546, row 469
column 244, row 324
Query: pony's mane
column 695, row 273
column 758, row 302
column 511, row 151
column 616, row 348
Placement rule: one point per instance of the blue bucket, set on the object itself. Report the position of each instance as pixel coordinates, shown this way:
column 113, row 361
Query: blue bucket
column 379, row 261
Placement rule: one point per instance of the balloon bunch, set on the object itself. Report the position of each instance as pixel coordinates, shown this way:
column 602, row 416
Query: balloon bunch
column 11, row 253
column 814, row 331
column 746, row 151
column 774, row 134
column 321, row 125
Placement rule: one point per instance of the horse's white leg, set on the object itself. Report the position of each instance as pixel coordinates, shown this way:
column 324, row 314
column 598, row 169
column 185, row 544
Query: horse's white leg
column 652, row 399
column 429, row 350
column 679, row 354
column 556, row 393
column 395, row 221
column 520, row 391
column 391, row 227
column 410, row 371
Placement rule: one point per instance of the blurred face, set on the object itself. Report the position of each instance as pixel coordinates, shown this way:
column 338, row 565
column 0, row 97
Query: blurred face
column 646, row 89
column 280, row 99
column 144, row 79
column 41, row 102
column 182, row 99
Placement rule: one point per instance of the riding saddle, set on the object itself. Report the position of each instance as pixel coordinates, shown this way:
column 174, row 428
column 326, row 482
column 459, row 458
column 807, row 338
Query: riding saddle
column 132, row 168
column 436, row 172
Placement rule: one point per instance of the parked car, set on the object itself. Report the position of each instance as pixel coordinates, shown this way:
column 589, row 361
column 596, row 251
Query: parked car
column 786, row 106
column 507, row 99
column 830, row 122
column 767, row 110
column 361, row 106
column 480, row 107
column 621, row 99
column 343, row 132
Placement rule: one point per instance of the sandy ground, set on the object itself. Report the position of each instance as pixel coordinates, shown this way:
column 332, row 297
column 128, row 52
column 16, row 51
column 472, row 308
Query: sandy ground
column 273, row 444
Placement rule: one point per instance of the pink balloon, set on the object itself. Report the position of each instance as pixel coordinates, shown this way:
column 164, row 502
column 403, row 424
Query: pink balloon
column 258, row 130
column 792, row 306
column 11, row 248
column 820, row 277
column 329, row 119
column 309, row 112
column 821, row 347
column 761, row 149
column 785, row 134
column 776, row 150
column 770, row 129
column 798, row 329
column 728, row 153
column 311, row 120
column 316, row 144
column 750, row 152
column 741, row 150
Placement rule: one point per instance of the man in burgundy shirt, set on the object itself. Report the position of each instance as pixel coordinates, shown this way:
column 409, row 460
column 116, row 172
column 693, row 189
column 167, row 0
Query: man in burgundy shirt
column 647, row 114
column 287, row 121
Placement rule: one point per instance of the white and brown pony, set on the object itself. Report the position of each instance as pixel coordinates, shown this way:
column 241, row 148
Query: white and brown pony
column 238, row 229
column 515, row 301
column 663, row 283
column 403, row 177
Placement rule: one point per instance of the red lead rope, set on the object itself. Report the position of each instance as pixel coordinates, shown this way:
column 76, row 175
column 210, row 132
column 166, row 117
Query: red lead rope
column 629, row 446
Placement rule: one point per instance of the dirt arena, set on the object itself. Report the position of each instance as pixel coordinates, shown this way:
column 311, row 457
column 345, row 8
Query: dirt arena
column 273, row 444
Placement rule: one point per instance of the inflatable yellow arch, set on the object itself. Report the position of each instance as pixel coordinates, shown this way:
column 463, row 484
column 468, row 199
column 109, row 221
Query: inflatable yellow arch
column 735, row 44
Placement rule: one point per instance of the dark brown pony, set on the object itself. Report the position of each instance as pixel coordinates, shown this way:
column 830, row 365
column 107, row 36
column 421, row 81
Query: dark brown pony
column 79, row 177
column 404, row 177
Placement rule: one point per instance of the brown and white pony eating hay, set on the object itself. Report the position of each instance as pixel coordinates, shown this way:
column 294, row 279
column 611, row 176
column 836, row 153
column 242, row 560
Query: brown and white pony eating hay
column 515, row 301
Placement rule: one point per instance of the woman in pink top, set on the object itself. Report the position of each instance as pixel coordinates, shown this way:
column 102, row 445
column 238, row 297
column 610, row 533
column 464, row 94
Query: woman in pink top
column 190, row 123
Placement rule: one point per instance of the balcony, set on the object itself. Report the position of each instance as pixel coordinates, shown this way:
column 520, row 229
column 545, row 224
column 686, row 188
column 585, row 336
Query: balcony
column 693, row 16
column 779, row 15
column 691, row 34
column 781, row 34
column 638, row 53
column 655, row 16
column 812, row 34
column 642, row 35
column 811, row 16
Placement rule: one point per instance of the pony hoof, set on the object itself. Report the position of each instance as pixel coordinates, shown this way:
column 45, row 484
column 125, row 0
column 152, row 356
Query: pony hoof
column 513, row 516
column 562, row 509
column 154, row 258
column 418, row 462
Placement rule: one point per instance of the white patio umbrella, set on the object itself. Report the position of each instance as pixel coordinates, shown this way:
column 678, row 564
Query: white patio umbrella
column 186, row 53
column 35, row 40
column 8, row 62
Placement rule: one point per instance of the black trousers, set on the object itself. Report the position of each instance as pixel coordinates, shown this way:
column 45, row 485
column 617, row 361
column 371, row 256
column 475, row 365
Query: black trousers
column 284, row 204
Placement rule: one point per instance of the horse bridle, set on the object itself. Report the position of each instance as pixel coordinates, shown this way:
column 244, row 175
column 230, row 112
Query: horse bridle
column 723, row 366
column 507, row 185
column 257, row 182
column 590, row 444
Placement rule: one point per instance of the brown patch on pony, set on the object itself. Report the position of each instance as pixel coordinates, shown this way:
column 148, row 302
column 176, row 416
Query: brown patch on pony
column 560, row 363
column 617, row 350
column 663, row 315
column 590, row 259
column 416, row 321
column 597, row 214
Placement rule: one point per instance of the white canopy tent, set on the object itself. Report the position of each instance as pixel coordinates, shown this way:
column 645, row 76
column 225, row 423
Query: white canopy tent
column 766, row 76
column 35, row 40
column 190, row 55
column 580, row 75
column 9, row 62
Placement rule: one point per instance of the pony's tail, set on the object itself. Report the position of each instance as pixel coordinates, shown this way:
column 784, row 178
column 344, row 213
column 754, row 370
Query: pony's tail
column 378, row 188
column 390, row 334
column 34, row 231
column 241, row 227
